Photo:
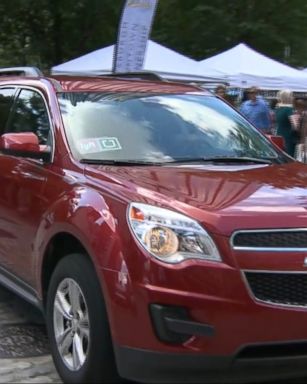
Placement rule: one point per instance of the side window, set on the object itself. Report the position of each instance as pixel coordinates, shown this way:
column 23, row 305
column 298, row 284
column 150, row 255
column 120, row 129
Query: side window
column 30, row 115
column 6, row 101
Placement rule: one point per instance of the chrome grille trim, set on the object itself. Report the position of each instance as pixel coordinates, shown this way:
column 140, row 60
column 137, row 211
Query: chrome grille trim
column 269, row 302
column 267, row 249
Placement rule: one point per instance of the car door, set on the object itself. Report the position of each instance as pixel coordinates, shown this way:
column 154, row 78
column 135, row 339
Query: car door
column 6, row 102
column 22, row 183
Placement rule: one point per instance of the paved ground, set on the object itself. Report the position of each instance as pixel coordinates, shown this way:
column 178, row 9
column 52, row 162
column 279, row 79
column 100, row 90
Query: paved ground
column 18, row 315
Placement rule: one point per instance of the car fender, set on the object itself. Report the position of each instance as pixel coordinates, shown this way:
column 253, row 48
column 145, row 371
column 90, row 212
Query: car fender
column 86, row 215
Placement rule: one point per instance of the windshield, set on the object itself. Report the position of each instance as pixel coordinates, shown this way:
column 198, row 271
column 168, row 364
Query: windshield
column 158, row 128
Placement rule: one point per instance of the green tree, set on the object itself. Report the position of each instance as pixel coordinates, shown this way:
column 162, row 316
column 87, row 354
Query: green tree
column 48, row 32
column 201, row 28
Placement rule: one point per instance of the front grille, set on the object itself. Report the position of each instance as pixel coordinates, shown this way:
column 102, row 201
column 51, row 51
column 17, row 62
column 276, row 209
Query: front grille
column 279, row 288
column 276, row 350
column 270, row 239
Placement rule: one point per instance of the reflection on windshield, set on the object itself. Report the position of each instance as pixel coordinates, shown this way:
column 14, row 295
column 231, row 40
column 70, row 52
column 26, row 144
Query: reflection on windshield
column 157, row 128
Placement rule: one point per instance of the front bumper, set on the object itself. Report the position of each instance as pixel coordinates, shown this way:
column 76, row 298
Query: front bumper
column 225, row 304
column 160, row 367
column 249, row 339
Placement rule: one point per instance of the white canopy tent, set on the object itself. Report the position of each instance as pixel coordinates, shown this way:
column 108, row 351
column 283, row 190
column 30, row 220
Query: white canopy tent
column 243, row 67
column 164, row 61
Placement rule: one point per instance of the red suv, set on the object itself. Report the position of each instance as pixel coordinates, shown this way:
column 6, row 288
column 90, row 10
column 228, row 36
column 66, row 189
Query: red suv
column 162, row 235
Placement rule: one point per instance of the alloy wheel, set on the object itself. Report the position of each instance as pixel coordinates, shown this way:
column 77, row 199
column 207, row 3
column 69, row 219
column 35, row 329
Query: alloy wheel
column 71, row 324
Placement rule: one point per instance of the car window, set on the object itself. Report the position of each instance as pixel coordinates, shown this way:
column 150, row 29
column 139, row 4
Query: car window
column 6, row 101
column 30, row 115
column 160, row 127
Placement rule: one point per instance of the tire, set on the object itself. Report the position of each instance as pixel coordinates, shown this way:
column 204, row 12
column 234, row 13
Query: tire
column 76, row 317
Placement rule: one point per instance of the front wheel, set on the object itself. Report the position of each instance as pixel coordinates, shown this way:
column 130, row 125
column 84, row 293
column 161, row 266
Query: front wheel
column 77, row 324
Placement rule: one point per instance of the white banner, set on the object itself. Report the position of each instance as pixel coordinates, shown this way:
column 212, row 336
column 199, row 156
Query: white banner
column 133, row 34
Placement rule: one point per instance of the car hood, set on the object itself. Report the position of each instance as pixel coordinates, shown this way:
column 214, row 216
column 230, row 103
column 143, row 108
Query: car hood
column 224, row 198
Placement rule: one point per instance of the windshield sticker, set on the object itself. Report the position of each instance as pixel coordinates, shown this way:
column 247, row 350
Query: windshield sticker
column 99, row 144
column 88, row 146
column 109, row 144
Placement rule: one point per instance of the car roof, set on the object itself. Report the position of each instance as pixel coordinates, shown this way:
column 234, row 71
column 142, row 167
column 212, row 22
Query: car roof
column 142, row 81
column 119, row 84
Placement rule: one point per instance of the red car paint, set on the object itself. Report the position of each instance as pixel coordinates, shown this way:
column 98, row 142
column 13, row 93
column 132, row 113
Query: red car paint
column 88, row 202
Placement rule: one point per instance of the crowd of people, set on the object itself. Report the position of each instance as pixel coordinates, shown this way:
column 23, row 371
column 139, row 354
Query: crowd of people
column 284, row 116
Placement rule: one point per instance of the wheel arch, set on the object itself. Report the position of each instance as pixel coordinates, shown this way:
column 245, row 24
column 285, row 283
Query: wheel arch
column 61, row 245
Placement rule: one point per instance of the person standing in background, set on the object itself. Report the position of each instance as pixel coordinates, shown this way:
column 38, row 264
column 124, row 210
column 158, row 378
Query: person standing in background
column 273, row 105
column 283, row 112
column 299, row 106
column 257, row 111
column 220, row 91
column 300, row 126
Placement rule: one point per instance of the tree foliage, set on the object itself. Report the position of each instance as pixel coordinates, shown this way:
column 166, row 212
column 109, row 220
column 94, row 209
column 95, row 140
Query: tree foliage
column 48, row 32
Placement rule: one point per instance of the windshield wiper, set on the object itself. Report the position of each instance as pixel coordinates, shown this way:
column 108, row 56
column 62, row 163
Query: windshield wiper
column 223, row 159
column 243, row 159
column 215, row 159
column 118, row 162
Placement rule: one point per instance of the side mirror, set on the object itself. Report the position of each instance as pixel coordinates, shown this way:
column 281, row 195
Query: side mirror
column 279, row 141
column 24, row 144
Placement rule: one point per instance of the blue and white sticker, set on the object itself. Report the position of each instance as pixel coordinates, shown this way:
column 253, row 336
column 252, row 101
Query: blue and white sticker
column 109, row 144
column 98, row 144
column 86, row 146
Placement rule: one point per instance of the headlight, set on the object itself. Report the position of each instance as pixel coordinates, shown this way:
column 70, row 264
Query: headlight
column 170, row 236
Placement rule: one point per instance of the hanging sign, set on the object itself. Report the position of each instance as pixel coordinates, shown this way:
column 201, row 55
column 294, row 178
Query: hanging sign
column 133, row 34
